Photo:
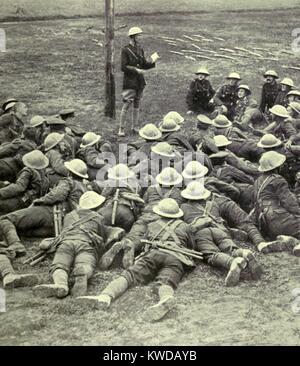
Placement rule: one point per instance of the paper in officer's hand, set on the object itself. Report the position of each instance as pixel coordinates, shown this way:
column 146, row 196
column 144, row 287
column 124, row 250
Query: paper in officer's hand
column 155, row 57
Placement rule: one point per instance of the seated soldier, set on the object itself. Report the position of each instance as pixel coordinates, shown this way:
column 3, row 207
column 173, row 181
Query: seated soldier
column 12, row 122
column 80, row 246
column 165, row 266
column 226, row 95
column 211, row 237
column 58, row 152
column 286, row 85
column 38, row 219
column 276, row 210
column 90, row 152
column 11, row 154
column 31, row 183
column 246, row 109
column 200, row 93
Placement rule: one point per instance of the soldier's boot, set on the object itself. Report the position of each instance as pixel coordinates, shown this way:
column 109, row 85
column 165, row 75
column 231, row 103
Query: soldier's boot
column 108, row 257
column 9, row 233
column 128, row 257
column 254, row 267
column 124, row 111
column 289, row 241
column 11, row 279
column 135, row 120
column 233, row 275
column 20, row 280
column 80, row 286
column 114, row 289
column 165, row 304
column 281, row 244
column 81, row 274
column 59, row 289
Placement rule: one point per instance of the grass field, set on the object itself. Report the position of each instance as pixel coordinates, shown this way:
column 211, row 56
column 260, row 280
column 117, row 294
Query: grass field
column 24, row 9
column 56, row 64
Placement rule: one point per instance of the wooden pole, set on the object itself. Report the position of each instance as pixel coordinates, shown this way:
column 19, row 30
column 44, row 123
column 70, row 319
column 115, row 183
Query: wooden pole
column 110, row 90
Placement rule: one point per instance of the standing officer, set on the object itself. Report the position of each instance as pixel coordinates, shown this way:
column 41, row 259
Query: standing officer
column 133, row 64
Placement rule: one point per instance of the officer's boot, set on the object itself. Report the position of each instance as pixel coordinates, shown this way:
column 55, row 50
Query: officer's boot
column 135, row 120
column 165, row 304
column 9, row 233
column 81, row 282
column 124, row 111
column 254, row 267
column 59, row 289
column 11, row 279
column 114, row 289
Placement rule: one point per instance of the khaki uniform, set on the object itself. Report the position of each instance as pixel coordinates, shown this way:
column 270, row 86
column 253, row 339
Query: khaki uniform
column 30, row 184
column 163, row 266
column 38, row 220
column 277, row 210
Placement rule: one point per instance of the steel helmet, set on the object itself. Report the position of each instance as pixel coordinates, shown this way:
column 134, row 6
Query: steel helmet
column 202, row 118
column 269, row 141
column 221, row 121
column 234, row 75
column 245, row 87
column 7, row 101
column 37, row 121
column 89, row 139
column 35, row 160
column 270, row 160
column 52, row 140
column 77, row 167
column 221, row 141
column 195, row 191
column 271, row 73
column 119, row 172
column 202, row 70
column 168, row 207
column 194, row 170
column 163, row 149
column 150, row 132
column 134, row 30
column 54, row 120
column 287, row 81
column 169, row 125
column 169, row 177
column 294, row 92
column 9, row 106
column 295, row 106
column 90, row 200
column 279, row 110
column 175, row 116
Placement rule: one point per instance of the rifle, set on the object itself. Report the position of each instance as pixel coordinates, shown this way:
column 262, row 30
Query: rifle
column 57, row 219
column 50, row 244
column 115, row 205
column 188, row 252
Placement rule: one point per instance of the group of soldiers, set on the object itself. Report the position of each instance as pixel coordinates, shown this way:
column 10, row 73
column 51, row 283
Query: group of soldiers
column 226, row 185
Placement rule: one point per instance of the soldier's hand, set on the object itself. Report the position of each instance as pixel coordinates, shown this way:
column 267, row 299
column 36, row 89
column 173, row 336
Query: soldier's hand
column 189, row 113
column 140, row 71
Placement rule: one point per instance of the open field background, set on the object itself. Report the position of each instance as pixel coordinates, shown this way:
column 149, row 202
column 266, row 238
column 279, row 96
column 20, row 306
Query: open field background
column 56, row 64
column 71, row 8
